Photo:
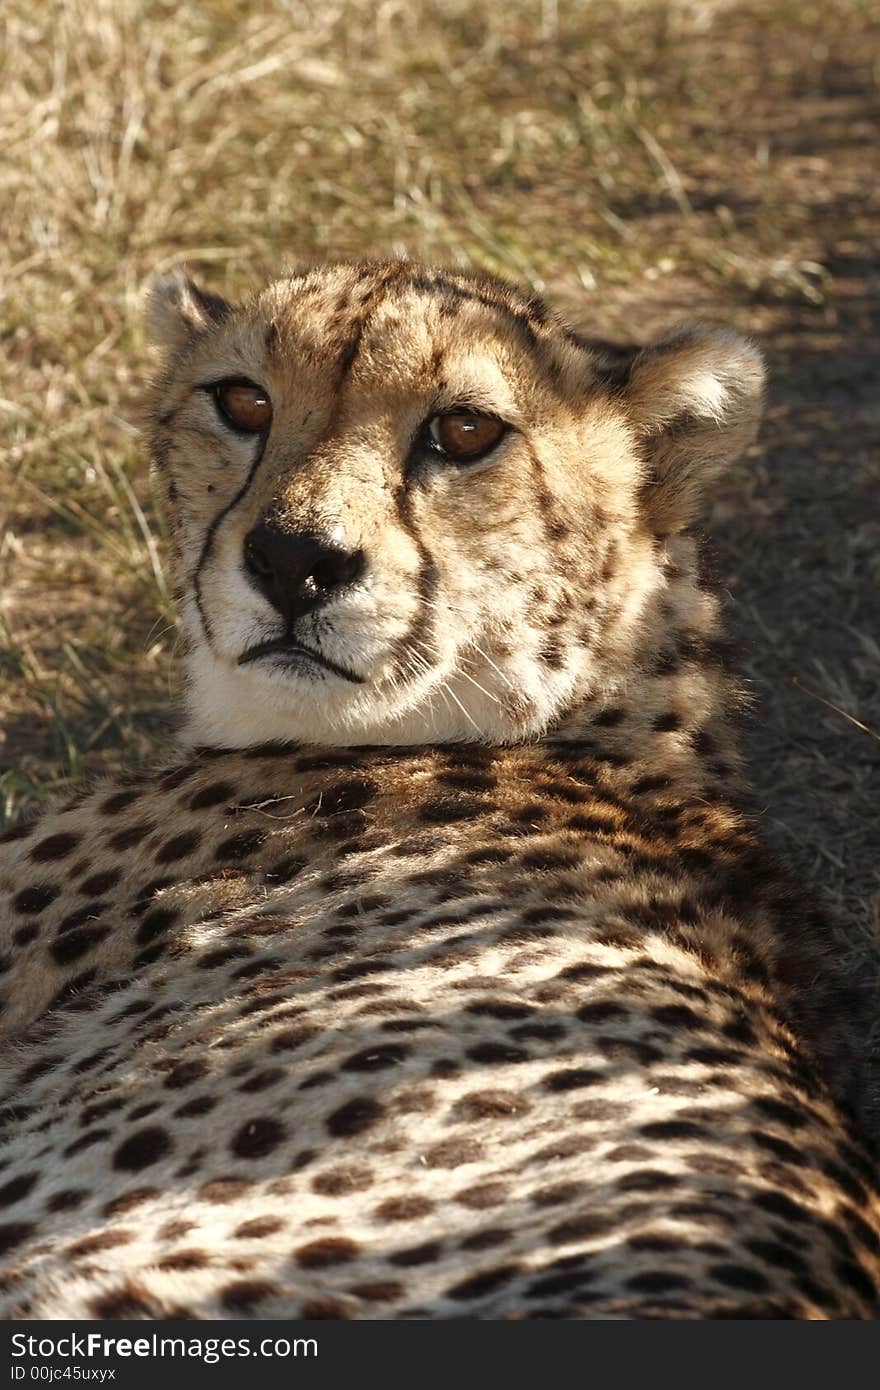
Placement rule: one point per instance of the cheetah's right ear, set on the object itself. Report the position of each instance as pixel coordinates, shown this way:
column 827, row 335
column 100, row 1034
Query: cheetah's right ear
column 178, row 311
column 695, row 401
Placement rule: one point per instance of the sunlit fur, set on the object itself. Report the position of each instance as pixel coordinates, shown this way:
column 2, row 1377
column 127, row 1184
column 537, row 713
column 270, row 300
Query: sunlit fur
column 482, row 1029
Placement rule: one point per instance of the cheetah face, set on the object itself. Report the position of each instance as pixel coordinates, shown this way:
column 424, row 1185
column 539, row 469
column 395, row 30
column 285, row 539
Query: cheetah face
column 410, row 506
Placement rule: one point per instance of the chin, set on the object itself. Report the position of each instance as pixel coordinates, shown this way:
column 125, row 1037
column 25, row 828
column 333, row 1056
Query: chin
column 230, row 706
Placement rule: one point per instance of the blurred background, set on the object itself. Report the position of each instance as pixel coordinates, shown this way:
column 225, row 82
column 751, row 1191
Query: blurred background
column 636, row 162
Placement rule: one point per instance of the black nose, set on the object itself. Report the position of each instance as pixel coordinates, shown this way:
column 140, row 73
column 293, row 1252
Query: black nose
column 297, row 571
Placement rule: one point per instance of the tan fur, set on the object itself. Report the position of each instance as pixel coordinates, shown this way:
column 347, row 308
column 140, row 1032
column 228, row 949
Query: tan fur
column 467, row 989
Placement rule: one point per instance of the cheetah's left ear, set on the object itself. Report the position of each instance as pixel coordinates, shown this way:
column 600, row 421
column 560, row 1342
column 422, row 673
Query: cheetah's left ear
column 695, row 401
column 178, row 310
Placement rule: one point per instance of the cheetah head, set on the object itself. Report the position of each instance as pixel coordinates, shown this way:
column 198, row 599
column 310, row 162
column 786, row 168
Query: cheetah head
column 411, row 506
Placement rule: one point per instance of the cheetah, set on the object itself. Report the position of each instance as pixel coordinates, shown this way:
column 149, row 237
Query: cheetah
column 445, row 974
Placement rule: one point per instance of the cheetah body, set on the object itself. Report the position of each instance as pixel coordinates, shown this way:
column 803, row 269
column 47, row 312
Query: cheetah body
column 493, row 1005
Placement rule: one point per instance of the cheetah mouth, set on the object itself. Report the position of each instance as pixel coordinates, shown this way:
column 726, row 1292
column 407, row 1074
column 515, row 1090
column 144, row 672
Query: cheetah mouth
column 287, row 651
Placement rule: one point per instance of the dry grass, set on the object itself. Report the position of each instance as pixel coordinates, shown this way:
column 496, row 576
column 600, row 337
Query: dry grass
column 639, row 159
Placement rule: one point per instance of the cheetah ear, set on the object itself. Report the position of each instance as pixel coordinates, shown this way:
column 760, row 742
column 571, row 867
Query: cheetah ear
column 178, row 311
column 695, row 400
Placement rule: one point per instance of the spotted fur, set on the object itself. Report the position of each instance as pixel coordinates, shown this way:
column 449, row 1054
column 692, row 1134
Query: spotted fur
column 466, row 988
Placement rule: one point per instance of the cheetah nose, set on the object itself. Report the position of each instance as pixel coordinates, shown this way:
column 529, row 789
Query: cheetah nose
column 298, row 571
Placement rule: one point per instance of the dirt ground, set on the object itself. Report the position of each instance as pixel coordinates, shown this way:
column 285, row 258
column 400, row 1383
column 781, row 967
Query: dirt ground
column 641, row 163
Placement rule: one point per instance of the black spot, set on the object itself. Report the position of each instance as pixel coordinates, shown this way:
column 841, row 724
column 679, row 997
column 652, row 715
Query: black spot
column 490, row 1009
column 67, row 1200
column 780, row 1149
column 775, row 1253
column 354, row 1117
column 573, row 1079
column 592, row 825
column 97, row 1112
column 539, row 1032
column 778, row 1110
column 127, row 839
column 178, row 847
column 486, row 1239
column 360, row 969
column 855, row 1277
column 586, row 1227
column 376, row 1058
column 185, row 1073
column 586, row 970
column 140, row 1112
column 677, row 1016
column 491, row 855
column 285, row 870
column 54, row 847
column 352, row 795
column 123, row 1303
column 446, row 810
column 94, row 1059
column 566, row 1281
column 258, row 1137
column 155, row 923
column 467, row 780
column 478, row 1285
column 127, row 1201
column 321, row 1254
column 493, row 1052
column 292, row 1038
column 262, row 1080
column 199, row 1105
column 119, row 801
column 89, row 913
column 211, row 959
column 609, row 718
column 177, row 776
column 16, row 1188
column 100, row 883
column 33, row 900
column 649, row 784
column 416, row 1255
column 600, row 1012
column 654, row 1243
column 142, row 1149
column 559, row 1194
column 551, row 859
column 212, row 795
column 846, row 1181
column 12, row 1233
column 145, row 894
column 86, row 1141
column 647, row 1180
column 739, row 1030
column 657, row 1281
column 672, row 1129
column 77, row 943
column 740, row 1277
column 715, row 1056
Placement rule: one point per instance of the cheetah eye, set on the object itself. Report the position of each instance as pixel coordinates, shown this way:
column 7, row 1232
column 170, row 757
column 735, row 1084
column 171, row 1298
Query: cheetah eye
column 463, row 436
column 243, row 405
